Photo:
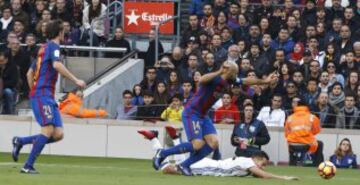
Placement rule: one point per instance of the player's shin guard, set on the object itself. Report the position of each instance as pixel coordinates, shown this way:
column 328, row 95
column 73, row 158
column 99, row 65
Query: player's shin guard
column 178, row 149
column 197, row 156
column 39, row 144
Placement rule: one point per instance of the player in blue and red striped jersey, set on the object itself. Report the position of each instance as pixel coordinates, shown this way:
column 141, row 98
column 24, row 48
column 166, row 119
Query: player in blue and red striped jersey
column 198, row 126
column 42, row 77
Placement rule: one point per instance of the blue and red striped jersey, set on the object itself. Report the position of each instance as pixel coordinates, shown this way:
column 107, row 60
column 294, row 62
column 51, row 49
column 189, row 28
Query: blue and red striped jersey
column 45, row 76
column 206, row 96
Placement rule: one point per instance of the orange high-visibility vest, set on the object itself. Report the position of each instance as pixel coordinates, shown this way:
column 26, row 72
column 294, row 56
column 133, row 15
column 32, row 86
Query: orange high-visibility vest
column 301, row 127
column 72, row 105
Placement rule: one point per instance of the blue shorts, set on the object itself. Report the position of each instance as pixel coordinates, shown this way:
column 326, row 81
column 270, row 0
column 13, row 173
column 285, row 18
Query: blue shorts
column 196, row 127
column 46, row 111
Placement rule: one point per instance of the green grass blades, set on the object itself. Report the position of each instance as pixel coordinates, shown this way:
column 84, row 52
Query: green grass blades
column 60, row 170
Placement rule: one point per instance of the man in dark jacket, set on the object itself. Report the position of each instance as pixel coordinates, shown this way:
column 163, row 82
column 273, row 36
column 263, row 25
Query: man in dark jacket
column 324, row 111
column 149, row 111
column 249, row 135
column 10, row 77
column 119, row 42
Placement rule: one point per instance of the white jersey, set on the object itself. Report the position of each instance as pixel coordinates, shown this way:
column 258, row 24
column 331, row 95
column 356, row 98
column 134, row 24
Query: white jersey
column 237, row 166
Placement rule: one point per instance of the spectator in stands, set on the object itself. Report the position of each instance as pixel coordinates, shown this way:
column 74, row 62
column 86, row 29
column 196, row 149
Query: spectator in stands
column 6, row 22
column 174, row 111
column 41, row 32
column 358, row 97
column 177, row 57
column 22, row 61
column 126, row 111
column 72, row 105
column 273, row 115
column 196, row 7
column 10, row 78
column 118, row 41
column 333, row 76
column 356, row 47
column 291, row 92
column 61, row 11
column 324, row 111
column 220, row 23
column 208, row 20
column 246, row 10
column 265, row 26
column 31, row 49
column 336, row 96
column 192, row 65
column 234, row 11
column 46, row 15
column 334, row 33
column 71, row 35
column 345, row 44
column 228, row 113
column 336, row 10
column 150, row 52
column 316, row 54
column 245, row 66
column 283, row 41
column 77, row 13
column 332, row 54
column 227, row 39
column 349, row 64
column 192, row 30
column 149, row 82
column 149, row 111
column 279, row 59
column 348, row 116
column 312, row 69
column 324, row 81
column 174, row 83
column 344, row 156
column 216, row 48
column 294, row 31
column 220, row 6
column 233, row 54
column 259, row 61
column 241, row 33
column 265, row 10
column 249, row 135
column 19, row 30
column 297, row 55
column 161, row 96
column 186, row 91
column 352, row 82
column 18, row 13
column 204, row 41
column 35, row 15
column 138, row 98
column 254, row 34
column 265, row 43
column 301, row 128
column 285, row 73
column 209, row 65
column 163, row 68
column 94, row 21
column 244, row 53
column 299, row 81
column 312, row 92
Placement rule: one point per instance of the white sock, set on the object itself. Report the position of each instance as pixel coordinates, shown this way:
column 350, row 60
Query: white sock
column 156, row 145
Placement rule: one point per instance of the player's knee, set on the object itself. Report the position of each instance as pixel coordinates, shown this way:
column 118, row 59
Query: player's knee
column 58, row 136
column 214, row 144
column 197, row 144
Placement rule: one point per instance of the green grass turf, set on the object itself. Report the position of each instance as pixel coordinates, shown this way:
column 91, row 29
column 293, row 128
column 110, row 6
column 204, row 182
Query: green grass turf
column 60, row 170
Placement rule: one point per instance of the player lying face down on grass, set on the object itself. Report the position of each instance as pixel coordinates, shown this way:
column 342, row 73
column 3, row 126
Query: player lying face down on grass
column 230, row 167
column 199, row 128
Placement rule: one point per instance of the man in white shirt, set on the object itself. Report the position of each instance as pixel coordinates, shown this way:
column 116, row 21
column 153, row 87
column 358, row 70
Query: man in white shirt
column 234, row 167
column 274, row 115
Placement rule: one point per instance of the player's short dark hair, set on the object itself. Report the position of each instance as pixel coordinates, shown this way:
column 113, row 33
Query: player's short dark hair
column 53, row 28
column 127, row 92
column 260, row 154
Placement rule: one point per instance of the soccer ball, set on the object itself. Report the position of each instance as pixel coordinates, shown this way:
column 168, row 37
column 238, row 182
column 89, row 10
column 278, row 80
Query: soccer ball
column 327, row 170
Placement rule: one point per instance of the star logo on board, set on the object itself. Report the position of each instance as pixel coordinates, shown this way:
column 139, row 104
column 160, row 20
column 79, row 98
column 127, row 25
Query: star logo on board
column 132, row 18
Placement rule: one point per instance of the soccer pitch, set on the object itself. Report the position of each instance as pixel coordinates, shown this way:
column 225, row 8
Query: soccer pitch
column 60, row 170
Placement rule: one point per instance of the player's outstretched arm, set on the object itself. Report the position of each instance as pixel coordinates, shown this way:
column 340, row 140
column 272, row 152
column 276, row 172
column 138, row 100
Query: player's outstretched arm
column 256, row 171
column 67, row 74
column 210, row 76
column 255, row 81
column 30, row 77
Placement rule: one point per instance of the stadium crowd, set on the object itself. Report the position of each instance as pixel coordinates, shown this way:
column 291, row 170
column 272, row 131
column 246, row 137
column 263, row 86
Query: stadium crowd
column 313, row 45
column 315, row 49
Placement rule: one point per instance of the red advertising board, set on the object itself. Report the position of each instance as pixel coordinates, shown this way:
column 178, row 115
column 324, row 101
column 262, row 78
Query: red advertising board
column 139, row 17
